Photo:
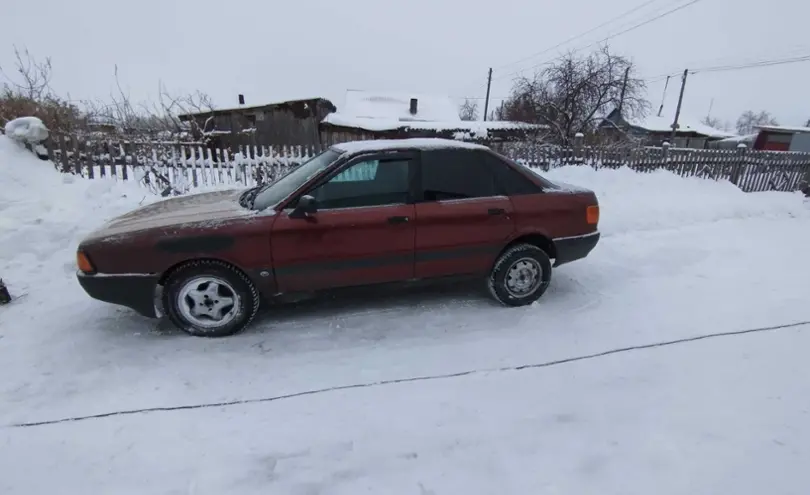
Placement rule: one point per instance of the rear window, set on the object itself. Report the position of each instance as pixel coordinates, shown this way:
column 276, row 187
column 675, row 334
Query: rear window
column 455, row 174
column 510, row 181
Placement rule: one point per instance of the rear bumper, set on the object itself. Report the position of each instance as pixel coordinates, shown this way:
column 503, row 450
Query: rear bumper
column 133, row 291
column 574, row 248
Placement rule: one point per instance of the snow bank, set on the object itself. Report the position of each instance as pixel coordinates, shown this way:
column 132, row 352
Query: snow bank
column 631, row 201
column 44, row 215
column 29, row 130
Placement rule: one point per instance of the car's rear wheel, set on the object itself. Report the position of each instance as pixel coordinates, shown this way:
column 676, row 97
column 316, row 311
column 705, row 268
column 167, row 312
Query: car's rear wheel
column 520, row 275
column 210, row 299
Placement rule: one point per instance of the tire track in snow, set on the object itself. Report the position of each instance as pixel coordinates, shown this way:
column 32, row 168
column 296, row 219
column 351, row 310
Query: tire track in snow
column 412, row 379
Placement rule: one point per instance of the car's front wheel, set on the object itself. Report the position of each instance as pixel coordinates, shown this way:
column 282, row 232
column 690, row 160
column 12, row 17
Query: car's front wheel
column 520, row 275
column 210, row 299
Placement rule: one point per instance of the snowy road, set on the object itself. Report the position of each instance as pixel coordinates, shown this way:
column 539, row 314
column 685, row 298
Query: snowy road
column 668, row 420
column 723, row 415
column 634, row 289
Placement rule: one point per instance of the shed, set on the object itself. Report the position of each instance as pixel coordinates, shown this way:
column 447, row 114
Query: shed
column 292, row 122
column 782, row 138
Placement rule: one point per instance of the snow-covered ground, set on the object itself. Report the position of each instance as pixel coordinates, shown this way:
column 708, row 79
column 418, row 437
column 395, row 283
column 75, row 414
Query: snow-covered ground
column 680, row 258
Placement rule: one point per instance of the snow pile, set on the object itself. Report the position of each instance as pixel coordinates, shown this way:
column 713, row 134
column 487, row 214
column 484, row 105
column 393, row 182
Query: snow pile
column 631, row 201
column 44, row 215
column 29, row 130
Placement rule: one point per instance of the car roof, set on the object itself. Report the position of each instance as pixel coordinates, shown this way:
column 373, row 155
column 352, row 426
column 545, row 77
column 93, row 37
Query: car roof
column 405, row 144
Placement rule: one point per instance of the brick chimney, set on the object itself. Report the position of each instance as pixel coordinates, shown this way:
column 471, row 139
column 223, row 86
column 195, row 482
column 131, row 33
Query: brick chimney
column 414, row 103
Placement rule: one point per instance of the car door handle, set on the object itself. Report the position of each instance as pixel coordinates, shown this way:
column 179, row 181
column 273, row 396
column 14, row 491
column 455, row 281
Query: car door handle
column 398, row 219
column 497, row 211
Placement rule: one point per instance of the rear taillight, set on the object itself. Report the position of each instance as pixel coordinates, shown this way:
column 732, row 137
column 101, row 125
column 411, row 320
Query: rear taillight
column 592, row 215
column 84, row 263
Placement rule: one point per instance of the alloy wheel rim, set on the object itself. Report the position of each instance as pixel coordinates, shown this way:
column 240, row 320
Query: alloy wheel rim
column 208, row 302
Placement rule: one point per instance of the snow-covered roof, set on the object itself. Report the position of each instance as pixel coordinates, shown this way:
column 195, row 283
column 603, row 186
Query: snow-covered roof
column 781, row 128
column 739, row 139
column 388, row 111
column 396, row 106
column 245, row 108
column 404, row 144
column 373, row 124
column 654, row 123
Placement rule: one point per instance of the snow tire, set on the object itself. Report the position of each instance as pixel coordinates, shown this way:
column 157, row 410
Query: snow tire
column 526, row 253
column 246, row 307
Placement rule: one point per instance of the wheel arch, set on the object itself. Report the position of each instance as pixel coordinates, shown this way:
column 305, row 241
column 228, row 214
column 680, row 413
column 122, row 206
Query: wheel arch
column 208, row 259
column 536, row 239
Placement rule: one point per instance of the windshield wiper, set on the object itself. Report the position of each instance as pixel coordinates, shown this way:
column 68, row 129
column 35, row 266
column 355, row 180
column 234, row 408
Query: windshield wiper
column 247, row 198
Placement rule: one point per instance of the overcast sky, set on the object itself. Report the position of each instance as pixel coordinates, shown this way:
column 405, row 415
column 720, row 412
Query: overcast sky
column 272, row 50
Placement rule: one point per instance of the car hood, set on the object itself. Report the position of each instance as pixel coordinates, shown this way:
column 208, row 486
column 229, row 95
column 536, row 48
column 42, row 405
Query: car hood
column 205, row 209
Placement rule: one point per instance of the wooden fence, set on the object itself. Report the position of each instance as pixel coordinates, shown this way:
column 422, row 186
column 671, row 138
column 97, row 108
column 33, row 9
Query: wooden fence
column 168, row 167
column 750, row 170
column 164, row 167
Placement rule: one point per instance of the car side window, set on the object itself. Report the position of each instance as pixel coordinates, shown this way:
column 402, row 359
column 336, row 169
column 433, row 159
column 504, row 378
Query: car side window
column 510, row 181
column 455, row 174
column 366, row 183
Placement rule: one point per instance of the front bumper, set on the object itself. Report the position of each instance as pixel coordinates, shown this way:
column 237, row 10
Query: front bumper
column 574, row 248
column 135, row 291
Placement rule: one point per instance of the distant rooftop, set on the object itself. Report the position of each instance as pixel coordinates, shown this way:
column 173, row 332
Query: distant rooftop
column 780, row 128
column 388, row 111
column 408, row 144
column 654, row 123
column 244, row 108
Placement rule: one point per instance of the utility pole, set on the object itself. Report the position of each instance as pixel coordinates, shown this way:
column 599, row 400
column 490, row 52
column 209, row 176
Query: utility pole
column 624, row 88
column 486, row 102
column 678, row 110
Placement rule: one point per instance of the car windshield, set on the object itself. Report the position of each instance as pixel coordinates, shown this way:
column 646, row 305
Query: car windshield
column 272, row 194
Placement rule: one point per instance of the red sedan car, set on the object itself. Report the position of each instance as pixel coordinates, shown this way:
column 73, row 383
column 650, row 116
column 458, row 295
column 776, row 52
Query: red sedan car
column 357, row 214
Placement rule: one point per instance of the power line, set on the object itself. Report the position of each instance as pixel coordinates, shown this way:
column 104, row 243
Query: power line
column 762, row 63
column 611, row 36
column 634, row 9
column 707, row 69
column 734, row 67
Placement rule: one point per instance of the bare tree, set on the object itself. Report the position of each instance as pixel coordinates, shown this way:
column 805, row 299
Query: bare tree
column 468, row 110
column 151, row 120
column 716, row 123
column 25, row 91
column 749, row 120
column 33, row 77
column 574, row 93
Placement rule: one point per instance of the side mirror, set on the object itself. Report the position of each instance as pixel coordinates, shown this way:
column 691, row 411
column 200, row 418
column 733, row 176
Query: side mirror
column 306, row 206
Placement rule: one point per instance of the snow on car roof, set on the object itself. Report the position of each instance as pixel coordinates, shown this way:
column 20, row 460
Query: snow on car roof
column 401, row 144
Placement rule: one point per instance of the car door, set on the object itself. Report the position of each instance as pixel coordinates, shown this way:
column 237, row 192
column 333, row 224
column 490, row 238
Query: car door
column 362, row 233
column 462, row 219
